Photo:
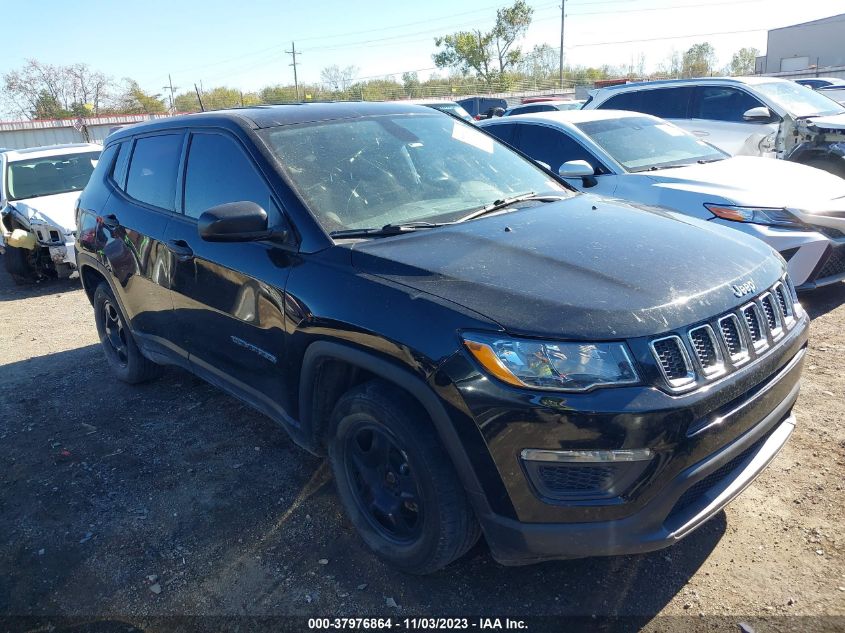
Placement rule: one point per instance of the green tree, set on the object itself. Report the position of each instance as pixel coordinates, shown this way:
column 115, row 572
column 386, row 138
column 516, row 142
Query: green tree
column 489, row 55
column 743, row 61
column 47, row 106
column 411, row 84
column 135, row 100
column 699, row 60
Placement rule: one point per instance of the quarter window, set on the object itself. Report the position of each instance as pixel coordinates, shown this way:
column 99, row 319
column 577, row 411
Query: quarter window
column 220, row 172
column 152, row 171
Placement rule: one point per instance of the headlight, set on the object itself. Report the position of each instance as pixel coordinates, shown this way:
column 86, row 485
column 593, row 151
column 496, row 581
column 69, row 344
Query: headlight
column 757, row 215
column 552, row 365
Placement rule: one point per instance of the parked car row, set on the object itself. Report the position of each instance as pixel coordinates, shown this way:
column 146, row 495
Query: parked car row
column 752, row 116
column 476, row 346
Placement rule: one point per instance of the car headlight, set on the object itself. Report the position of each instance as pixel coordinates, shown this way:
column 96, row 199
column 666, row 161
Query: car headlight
column 756, row 215
column 552, row 365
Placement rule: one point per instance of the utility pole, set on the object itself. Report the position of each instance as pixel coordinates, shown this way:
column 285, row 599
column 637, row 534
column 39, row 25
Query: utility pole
column 172, row 88
column 562, row 19
column 292, row 52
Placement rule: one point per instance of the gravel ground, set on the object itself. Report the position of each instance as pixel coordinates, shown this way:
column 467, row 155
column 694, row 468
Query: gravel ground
column 124, row 503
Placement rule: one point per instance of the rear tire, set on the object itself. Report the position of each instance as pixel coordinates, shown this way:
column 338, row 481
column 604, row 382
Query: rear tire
column 122, row 354
column 19, row 265
column 396, row 481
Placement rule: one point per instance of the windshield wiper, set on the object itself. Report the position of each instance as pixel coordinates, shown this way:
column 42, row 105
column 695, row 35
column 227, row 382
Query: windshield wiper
column 387, row 229
column 505, row 202
column 704, row 161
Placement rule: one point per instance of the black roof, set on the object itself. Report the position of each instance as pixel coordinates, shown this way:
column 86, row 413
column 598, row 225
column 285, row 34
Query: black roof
column 264, row 116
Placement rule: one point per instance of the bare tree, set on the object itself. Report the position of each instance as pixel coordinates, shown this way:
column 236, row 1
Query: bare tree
column 39, row 89
column 338, row 79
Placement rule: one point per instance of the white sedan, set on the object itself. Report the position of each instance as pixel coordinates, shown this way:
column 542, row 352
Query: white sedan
column 798, row 210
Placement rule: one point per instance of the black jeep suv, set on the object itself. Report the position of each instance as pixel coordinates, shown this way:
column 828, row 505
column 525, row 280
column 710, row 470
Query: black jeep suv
column 477, row 348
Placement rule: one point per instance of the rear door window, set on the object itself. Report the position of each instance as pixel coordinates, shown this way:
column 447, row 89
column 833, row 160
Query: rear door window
column 722, row 103
column 626, row 101
column 553, row 147
column 504, row 132
column 153, row 168
column 667, row 103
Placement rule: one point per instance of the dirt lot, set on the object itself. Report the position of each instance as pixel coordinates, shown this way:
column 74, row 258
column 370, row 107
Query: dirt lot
column 171, row 498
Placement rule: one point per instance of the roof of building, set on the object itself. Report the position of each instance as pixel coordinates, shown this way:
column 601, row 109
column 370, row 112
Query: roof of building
column 827, row 20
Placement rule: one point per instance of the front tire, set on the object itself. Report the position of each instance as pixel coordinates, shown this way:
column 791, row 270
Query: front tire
column 122, row 354
column 396, row 482
column 20, row 266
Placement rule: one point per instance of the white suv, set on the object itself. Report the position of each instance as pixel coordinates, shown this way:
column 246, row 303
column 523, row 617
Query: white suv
column 751, row 116
column 39, row 188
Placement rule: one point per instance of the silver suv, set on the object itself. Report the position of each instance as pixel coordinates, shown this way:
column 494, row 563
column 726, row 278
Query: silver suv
column 752, row 116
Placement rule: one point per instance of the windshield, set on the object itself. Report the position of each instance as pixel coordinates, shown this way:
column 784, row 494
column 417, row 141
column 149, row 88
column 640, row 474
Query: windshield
column 372, row 171
column 49, row 175
column 796, row 100
column 641, row 143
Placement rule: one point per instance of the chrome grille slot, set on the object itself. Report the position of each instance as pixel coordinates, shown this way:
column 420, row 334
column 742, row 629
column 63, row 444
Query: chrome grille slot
column 674, row 361
column 773, row 314
column 733, row 339
column 784, row 300
column 706, row 350
column 754, row 326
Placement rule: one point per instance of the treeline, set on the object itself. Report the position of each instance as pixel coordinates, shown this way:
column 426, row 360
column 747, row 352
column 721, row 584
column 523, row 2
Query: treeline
column 473, row 62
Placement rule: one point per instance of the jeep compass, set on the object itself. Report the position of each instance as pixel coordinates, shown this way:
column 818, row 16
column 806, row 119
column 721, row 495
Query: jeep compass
column 476, row 347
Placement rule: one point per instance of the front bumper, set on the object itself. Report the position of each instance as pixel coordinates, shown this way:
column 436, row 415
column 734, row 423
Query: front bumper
column 687, row 502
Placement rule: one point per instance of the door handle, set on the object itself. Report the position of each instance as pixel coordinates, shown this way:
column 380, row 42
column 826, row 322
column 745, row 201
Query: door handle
column 110, row 221
column 180, row 249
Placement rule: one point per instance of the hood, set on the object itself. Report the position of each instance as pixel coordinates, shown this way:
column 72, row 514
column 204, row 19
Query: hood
column 581, row 268
column 830, row 121
column 57, row 210
column 754, row 181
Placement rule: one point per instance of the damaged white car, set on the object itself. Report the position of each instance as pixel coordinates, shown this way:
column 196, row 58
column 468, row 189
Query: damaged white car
column 39, row 188
column 743, row 116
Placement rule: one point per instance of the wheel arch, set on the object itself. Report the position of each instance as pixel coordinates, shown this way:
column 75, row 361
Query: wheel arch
column 315, row 386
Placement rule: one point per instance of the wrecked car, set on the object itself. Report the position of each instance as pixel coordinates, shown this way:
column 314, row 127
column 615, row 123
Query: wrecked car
column 39, row 188
column 745, row 116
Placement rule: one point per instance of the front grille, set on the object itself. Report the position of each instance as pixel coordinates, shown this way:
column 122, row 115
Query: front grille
column 829, row 231
column 748, row 332
column 732, row 337
column 784, row 300
column 835, row 264
column 772, row 314
column 574, row 479
column 752, row 322
column 706, row 349
column 673, row 359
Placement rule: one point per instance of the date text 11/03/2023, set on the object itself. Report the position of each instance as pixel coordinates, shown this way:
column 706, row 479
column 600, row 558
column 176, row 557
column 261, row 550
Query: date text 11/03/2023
column 417, row 624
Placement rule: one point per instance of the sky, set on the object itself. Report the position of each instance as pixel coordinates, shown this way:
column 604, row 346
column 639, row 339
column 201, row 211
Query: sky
column 242, row 44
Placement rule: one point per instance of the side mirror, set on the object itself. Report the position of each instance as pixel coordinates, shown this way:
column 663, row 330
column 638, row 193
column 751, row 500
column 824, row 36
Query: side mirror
column 576, row 169
column 235, row 222
column 760, row 114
